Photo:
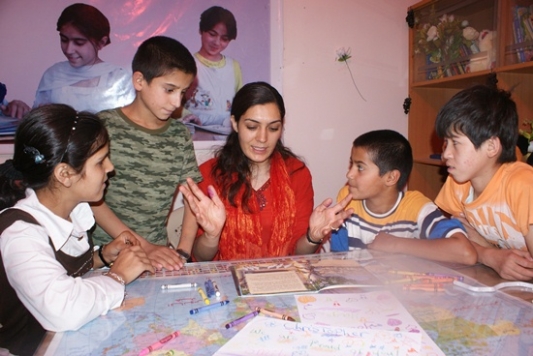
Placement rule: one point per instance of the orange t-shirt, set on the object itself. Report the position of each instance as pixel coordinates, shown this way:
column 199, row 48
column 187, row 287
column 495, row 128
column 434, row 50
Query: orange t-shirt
column 503, row 213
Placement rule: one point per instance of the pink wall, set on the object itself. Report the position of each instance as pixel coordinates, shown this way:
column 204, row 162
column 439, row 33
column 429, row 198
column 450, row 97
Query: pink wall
column 324, row 111
column 29, row 35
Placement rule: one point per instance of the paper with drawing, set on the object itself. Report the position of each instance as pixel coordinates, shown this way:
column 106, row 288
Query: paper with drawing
column 267, row 336
column 378, row 310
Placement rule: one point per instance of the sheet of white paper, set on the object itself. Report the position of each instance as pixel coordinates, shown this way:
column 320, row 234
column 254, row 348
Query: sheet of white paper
column 267, row 336
column 377, row 310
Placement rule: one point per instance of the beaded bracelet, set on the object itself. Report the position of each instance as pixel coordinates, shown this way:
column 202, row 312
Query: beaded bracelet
column 101, row 255
column 116, row 277
column 308, row 236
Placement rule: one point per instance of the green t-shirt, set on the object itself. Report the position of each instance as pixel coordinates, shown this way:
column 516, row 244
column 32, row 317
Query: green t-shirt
column 149, row 165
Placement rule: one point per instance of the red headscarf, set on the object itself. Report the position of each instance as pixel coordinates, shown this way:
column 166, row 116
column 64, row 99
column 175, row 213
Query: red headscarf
column 241, row 235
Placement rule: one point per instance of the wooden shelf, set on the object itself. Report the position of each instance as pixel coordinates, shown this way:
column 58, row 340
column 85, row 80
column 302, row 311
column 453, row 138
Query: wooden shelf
column 429, row 95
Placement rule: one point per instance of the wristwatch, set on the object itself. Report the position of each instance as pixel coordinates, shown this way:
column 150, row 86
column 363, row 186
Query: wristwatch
column 183, row 254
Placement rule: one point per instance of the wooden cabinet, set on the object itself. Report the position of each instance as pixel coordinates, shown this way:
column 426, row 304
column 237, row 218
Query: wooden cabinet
column 454, row 44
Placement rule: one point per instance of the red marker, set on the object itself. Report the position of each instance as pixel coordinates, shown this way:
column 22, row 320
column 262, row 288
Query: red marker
column 159, row 344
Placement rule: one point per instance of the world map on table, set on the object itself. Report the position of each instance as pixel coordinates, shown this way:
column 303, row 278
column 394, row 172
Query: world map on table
column 496, row 324
column 154, row 314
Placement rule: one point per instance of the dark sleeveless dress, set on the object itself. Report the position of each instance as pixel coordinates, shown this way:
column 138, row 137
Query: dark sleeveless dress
column 20, row 332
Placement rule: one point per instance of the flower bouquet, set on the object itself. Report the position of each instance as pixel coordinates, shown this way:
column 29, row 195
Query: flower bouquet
column 527, row 133
column 447, row 42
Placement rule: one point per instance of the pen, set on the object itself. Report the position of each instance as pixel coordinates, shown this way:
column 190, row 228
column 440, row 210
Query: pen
column 274, row 314
column 159, row 344
column 217, row 292
column 241, row 319
column 408, row 273
column 178, row 286
column 203, row 296
column 209, row 307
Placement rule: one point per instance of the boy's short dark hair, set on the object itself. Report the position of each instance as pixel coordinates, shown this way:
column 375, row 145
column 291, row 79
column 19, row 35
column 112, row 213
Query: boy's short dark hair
column 216, row 14
column 160, row 55
column 481, row 112
column 389, row 150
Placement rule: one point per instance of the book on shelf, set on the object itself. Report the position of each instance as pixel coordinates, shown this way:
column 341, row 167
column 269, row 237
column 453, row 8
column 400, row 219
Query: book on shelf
column 527, row 23
column 525, row 18
column 300, row 276
column 523, row 32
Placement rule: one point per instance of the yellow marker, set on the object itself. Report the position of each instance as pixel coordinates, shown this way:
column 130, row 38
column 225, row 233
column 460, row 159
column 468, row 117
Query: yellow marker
column 428, row 287
column 412, row 279
column 406, row 273
column 203, row 296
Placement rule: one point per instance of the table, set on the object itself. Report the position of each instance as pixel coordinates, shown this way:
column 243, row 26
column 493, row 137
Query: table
column 459, row 321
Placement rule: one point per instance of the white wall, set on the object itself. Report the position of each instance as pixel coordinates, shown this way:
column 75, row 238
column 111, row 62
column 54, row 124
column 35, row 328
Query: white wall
column 324, row 111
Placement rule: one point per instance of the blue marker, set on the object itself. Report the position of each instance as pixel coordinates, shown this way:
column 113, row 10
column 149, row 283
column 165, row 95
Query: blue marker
column 209, row 307
column 209, row 288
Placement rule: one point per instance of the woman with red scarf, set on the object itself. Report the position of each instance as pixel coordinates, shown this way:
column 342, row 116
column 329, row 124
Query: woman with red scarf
column 256, row 199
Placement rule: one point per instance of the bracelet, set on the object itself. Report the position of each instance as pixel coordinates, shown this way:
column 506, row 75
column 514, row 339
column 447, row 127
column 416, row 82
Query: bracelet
column 183, row 254
column 100, row 254
column 308, row 236
column 116, row 277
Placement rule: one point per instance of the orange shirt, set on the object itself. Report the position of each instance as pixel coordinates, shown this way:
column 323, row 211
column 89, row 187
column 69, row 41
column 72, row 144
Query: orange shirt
column 503, row 213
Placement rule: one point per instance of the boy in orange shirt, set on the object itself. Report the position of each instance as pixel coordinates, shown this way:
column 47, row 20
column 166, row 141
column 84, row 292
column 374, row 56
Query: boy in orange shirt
column 487, row 188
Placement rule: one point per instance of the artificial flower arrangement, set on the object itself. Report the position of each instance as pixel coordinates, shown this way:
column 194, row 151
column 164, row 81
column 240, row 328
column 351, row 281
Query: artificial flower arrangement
column 449, row 43
column 529, row 132
column 343, row 55
column 528, row 135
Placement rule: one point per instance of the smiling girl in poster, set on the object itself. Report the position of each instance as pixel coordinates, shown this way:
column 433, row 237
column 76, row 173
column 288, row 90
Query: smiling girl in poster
column 84, row 81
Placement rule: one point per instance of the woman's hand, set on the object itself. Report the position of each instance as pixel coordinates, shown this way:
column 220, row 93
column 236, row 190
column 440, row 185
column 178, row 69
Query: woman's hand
column 163, row 257
column 160, row 256
column 209, row 211
column 130, row 263
column 325, row 218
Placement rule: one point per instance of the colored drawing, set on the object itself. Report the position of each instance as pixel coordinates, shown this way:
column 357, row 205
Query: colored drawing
column 267, row 336
column 378, row 310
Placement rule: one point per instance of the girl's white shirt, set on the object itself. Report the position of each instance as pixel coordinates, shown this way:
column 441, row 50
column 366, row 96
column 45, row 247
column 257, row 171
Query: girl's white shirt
column 114, row 89
column 59, row 302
